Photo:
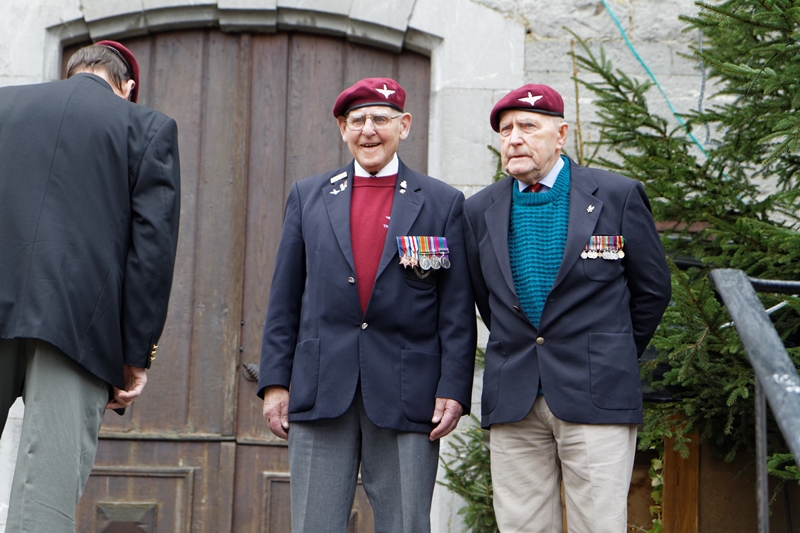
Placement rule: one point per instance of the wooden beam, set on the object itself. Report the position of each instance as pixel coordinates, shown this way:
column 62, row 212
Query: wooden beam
column 681, row 488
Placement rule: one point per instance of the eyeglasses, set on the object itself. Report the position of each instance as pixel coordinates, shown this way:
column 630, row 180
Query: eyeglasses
column 380, row 121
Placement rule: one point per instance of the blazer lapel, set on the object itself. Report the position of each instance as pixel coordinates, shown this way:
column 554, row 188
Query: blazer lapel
column 584, row 211
column 497, row 218
column 405, row 209
column 338, row 203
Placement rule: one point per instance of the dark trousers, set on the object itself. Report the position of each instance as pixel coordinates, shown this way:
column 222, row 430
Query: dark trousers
column 398, row 471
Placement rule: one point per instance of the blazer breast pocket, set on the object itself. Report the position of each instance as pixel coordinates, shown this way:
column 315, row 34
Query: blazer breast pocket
column 422, row 283
column 604, row 270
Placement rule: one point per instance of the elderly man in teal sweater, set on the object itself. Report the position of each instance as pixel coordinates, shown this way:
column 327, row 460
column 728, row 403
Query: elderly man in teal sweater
column 570, row 277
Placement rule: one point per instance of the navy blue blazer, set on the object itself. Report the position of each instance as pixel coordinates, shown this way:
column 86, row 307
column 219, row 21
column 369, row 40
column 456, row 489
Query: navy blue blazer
column 416, row 341
column 597, row 320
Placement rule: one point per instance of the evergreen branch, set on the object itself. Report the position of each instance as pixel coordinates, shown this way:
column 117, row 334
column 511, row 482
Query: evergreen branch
column 740, row 18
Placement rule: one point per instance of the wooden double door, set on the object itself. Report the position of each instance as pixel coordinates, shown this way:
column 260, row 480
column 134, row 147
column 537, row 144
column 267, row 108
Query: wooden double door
column 193, row 454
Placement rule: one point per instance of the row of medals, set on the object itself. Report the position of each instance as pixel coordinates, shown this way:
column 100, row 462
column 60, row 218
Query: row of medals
column 426, row 261
column 611, row 255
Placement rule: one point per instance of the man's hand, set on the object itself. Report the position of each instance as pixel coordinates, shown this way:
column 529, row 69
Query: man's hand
column 445, row 415
column 276, row 410
column 135, row 380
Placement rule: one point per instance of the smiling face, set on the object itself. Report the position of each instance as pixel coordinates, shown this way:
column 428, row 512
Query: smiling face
column 374, row 148
column 530, row 143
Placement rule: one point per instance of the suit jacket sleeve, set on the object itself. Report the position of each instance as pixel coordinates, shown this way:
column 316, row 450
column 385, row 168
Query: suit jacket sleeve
column 285, row 300
column 457, row 327
column 155, row 213
column 645, row 267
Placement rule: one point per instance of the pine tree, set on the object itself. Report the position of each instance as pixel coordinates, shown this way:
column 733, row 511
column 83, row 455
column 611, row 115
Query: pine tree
column 734, row 206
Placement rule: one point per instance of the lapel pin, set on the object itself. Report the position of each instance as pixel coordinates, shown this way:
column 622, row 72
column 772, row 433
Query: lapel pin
column 335, row 192
column 403, row 184
column 402, row 191
column 590, row 209
column 338, row 177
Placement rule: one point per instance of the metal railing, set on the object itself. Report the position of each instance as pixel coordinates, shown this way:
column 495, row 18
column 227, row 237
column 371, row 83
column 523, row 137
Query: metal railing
column 776, row 379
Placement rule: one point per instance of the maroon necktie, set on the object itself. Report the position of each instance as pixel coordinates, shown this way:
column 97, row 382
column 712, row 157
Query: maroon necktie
column 536, row 187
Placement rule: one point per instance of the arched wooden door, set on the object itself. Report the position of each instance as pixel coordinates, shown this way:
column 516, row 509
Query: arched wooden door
column 254, row 115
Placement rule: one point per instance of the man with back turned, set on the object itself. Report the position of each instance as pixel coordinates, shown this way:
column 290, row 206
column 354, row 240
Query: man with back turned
column 89, row 207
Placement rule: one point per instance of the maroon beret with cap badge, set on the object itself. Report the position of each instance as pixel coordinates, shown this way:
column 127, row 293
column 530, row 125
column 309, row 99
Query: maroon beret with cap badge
column 531, row 97
column 129, row 59
column 370, row 91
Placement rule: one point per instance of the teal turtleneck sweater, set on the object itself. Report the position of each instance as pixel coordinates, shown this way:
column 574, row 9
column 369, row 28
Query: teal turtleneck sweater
column 536, row 239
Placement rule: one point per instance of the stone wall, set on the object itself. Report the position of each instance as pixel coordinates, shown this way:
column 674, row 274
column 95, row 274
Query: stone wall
column 653, row 29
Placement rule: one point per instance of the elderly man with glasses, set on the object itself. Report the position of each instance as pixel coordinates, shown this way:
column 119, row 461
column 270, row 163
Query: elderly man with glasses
column 369, row 342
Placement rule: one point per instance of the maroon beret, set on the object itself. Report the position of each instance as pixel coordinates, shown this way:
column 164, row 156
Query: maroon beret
column 129, row 59
column 531, row 97
column 370, row 91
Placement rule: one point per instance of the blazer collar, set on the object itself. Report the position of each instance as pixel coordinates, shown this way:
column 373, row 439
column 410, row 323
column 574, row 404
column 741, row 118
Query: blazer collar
column 406, row 205
column 584, row 211
column 582, row 221
column 498, row 217
column 337, row 199
column 95, row 78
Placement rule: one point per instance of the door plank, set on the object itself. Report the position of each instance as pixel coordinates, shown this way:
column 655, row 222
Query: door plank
column 414, row 74
column 219, row 253
column 267, row 190
column 313, row 141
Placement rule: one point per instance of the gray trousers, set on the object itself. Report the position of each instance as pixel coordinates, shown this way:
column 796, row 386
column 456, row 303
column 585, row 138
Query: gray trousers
column 398, row 470
column 64, row 406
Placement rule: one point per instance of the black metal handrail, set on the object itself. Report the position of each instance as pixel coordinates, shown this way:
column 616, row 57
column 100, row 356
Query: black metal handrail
column 776, row 380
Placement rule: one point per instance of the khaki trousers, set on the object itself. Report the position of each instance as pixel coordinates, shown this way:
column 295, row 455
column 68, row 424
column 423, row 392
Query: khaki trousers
column 64, row 406
column 529, row 459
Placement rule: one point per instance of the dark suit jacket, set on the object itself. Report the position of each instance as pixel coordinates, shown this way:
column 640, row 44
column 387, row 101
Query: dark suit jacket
column 89, row 206
column 597, row 320
column 416, row 341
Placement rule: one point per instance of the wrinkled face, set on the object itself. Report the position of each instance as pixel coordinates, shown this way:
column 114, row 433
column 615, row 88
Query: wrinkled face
column 374, row 147
column 530, row 143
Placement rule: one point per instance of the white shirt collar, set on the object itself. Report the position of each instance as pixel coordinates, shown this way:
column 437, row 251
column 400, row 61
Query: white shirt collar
column 389, row 170
column 549, row 180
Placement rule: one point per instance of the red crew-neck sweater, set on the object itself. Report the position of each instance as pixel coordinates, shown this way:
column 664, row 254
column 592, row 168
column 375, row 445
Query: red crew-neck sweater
column 370, row 211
